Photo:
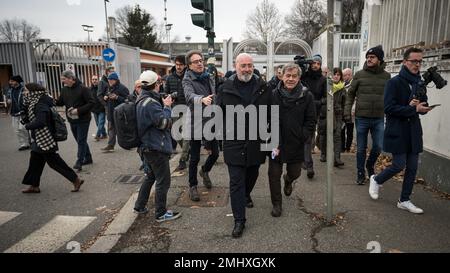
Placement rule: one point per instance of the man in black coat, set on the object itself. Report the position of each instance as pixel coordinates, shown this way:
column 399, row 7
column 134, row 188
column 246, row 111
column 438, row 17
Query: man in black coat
column 174, row 85
column 116, row 95
column 317, row 85
column 403, row 133
column 297, row 120
column 243, row 157
column 98, row 110
column 79, row 102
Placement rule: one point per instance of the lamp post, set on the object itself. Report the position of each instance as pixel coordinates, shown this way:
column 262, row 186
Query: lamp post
column 88, row 29
column 107, row 25
column 168, row 29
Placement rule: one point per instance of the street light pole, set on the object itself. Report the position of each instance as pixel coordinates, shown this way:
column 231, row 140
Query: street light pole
column 107, row 25
column 168, row 29
column 330, row 111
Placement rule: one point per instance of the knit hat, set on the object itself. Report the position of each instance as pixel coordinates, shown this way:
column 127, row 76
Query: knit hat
column 113, row 76
column 17, row 78
column 317, row 58
column 377, row 51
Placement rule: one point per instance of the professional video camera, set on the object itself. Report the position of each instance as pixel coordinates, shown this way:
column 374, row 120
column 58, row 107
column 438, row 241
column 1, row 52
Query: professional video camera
column 303, row 62
column 430, row 76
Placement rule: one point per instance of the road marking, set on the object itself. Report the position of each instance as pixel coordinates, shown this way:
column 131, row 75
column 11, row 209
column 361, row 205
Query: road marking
column 6, row 216
column 52, row 236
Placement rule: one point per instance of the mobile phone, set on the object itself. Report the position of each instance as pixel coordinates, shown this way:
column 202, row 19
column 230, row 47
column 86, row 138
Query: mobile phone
column 434, row 105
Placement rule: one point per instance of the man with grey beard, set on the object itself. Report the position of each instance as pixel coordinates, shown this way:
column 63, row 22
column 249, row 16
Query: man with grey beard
column 243, row 157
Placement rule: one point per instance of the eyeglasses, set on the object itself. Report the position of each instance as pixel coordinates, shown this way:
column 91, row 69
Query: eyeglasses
column 416, row 62
column 200, row 61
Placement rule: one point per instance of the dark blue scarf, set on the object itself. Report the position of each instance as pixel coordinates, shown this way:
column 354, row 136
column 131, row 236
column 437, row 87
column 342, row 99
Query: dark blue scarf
column 412, row 79
column 201, row 76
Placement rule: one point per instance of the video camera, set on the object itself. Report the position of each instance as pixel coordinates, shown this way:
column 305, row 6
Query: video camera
column 430, row 76
column 303, row 62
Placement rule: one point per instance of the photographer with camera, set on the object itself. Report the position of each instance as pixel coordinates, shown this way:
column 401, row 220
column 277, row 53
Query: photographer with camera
column 403, row 134
column 317, row 85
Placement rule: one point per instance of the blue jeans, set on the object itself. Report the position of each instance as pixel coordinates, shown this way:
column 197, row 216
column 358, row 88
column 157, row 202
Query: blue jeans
column 376, row 128
column 411, row 161
column 100, row 120
column 80, row 133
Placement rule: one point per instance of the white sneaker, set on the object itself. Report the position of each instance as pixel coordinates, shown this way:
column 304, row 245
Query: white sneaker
column 409, row 206
column 374, row 188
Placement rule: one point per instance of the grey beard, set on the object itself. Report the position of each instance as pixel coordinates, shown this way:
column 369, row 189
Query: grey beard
column 245, row 78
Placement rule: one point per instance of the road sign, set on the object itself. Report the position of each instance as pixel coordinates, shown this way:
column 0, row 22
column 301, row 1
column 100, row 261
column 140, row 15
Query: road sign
column 109, row 55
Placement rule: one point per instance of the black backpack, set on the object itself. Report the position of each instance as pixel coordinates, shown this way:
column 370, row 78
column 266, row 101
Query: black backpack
column 60, row 133
column 125, row 122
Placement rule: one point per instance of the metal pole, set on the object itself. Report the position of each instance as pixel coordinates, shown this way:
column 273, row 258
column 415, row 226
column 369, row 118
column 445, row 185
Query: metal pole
column 330, row 111
column 211, row 34
column 107, row 25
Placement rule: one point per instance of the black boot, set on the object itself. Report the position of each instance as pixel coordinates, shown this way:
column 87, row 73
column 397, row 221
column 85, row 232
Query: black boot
column 287, row 185
column 276, row 210
column 206, row 180
column 238, row 230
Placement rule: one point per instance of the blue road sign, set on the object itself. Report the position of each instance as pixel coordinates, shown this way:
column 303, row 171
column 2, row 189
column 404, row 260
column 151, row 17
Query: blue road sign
column 109, row 55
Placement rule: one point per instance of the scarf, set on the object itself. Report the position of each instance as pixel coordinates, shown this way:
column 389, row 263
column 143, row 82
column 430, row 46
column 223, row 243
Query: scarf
column 338, row 86
column 412, row 79
column 201, row 76
column 43, row 137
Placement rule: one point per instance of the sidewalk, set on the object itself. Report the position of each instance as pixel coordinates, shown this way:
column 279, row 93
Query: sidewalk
column 206, row 227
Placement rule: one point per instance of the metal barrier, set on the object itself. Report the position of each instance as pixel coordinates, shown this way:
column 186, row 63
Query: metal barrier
column 51, row 59
column 349, row 50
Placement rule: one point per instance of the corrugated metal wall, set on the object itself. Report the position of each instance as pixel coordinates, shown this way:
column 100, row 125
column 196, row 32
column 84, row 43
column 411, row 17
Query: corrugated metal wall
column 410, row 22
column 18, row 55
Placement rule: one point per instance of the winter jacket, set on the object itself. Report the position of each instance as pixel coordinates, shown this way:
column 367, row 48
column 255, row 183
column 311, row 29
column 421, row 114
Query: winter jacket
column 175, row 84
column 195, row 90
column 43, row 119
column 102, row 90
column 98, row 106
column 317, row 85
column 273, row 83
column 78, row 97
column 339, row 98
column 297, row 121
column 243, row 152
column 150, row 115
column 368, row 89
column 403, row 133
column 16, row 97
column 122, row 92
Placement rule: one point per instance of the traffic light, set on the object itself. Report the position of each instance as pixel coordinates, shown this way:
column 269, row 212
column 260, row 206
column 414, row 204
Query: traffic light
column 204, row 20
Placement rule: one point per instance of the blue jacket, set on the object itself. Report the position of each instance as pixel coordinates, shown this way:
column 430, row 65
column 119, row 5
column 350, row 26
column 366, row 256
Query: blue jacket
column 16, row 96
column 403, row 133
column 150, row 112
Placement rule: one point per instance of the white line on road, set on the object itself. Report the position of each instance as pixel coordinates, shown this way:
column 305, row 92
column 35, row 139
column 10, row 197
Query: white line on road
column 6, row 216
column 52, row 236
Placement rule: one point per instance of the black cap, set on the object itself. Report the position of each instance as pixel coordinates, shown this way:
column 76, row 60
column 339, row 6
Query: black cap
column 17, row 78
column 377, row 51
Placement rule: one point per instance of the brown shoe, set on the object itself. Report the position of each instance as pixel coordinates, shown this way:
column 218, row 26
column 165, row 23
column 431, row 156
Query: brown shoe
column 108, row 148
column 77, row 185
column 32, row 189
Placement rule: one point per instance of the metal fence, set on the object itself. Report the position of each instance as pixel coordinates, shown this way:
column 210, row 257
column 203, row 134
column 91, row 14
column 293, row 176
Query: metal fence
column 349, row 50
column 17, row 57
column 51, row 59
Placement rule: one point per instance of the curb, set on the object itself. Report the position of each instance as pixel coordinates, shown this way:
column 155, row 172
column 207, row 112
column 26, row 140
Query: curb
column 122, row 222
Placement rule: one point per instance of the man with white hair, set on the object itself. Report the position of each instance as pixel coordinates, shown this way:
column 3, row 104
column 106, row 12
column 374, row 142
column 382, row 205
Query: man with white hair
column 243, row 157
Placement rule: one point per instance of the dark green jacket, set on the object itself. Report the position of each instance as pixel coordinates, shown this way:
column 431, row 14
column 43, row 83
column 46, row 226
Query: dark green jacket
column 368, row 89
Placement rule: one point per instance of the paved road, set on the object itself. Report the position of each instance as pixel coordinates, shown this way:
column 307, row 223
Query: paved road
column 47, row 222
column 360, row 222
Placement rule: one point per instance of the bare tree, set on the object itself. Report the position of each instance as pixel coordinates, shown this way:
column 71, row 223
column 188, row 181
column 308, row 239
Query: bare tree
column 306, row 20
column 265, row 23
column 15, row 30
column 352, row 15
column 122, row 18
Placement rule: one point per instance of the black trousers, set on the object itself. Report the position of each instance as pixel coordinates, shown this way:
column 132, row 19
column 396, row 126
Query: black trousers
column 347, row 136
column 242, row 181
column 37, row 164
column 196, row 146
column 294, row 171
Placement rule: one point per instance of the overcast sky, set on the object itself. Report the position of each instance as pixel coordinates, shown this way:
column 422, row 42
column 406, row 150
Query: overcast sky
column 61, row 20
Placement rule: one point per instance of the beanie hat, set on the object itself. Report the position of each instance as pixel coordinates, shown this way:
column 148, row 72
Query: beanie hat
column 113, row 76
column 17, row 78
column 377, row 51
column 317, row 58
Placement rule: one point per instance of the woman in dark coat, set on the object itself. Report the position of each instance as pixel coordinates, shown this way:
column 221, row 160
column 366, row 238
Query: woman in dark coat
column 44, row 148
